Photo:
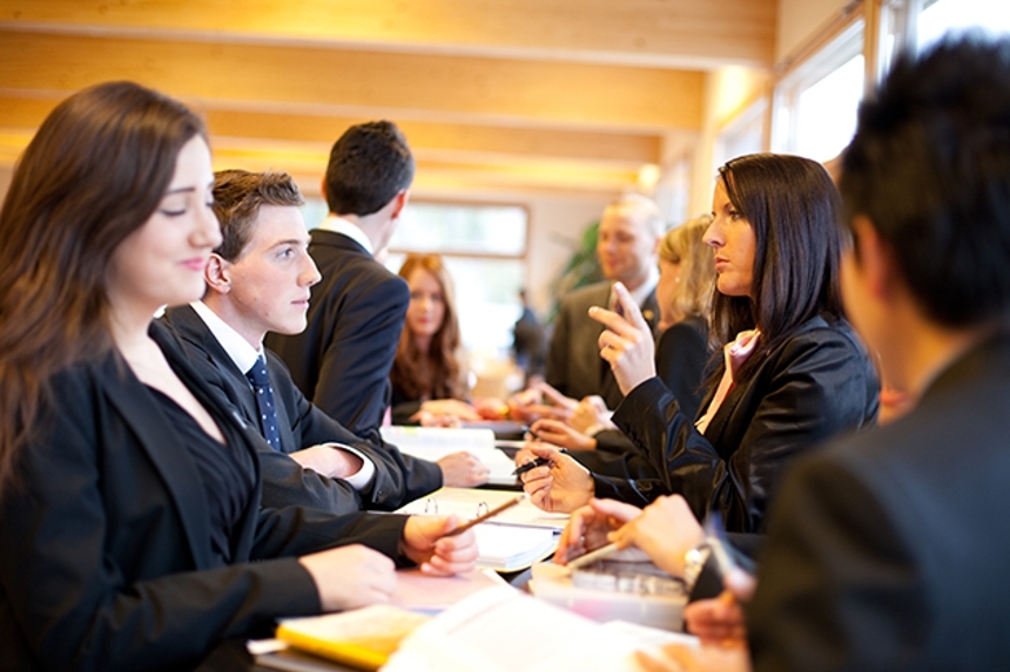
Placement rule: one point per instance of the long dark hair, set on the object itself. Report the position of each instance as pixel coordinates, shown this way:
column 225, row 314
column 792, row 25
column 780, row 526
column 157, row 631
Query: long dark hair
column 93, row 174
column 793, row 207
column 434, row 374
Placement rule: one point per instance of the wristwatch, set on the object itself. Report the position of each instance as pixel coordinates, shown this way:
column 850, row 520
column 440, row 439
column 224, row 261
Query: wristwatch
column 694, row 562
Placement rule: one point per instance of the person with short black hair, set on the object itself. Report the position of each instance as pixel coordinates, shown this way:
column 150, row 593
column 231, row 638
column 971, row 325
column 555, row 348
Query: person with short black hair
column 341, row 362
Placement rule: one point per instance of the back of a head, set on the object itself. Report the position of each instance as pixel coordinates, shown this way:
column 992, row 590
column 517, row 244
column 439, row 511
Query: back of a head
column 930, row 167
column 793, row 207
column 238, row 197
column 369, row 165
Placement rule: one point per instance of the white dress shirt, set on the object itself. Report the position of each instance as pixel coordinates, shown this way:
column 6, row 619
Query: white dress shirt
column 245, row 355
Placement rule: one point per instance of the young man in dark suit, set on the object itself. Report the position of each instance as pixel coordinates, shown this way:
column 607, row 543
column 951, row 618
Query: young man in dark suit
column 258, row 280
column 342, row 360
column 887, row 550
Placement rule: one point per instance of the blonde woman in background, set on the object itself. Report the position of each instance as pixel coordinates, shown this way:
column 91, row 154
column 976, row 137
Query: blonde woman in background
column 684, row 295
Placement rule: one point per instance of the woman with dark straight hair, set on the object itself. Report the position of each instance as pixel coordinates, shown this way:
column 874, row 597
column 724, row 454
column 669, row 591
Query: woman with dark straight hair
column 791, row 372
column 131, row 532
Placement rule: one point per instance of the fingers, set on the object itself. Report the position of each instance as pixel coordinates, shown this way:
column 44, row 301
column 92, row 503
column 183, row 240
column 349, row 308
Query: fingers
column 632, row 313
column 554, row 395
column 554, row 432
column 621, row 511
column 544, row 450
column 545, row 426
column 651, row 664
column 572, row 540
column 741, row 584
column 452, row 555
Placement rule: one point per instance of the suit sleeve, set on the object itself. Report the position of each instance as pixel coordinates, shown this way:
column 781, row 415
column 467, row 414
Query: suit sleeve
column 680, row 363
column 819, row 387
column 287, row 483
column 353, row 382
column 398, row 478
column 837, row 587
column 557, row 355
column 64, row 595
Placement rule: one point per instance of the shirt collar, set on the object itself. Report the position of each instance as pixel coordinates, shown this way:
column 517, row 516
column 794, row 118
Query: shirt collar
column 242, row 354
column 349, row 229
column 642, row 292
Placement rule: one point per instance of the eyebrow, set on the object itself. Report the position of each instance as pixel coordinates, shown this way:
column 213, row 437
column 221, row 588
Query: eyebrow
column 290, row 241
column 182, row 190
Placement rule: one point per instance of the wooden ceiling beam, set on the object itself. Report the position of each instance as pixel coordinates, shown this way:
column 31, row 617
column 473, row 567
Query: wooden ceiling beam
column 421, row 87
column 664, row 33
column 461, row 139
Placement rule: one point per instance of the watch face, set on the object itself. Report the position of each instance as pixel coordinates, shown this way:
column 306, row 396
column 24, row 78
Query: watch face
column 694, row 561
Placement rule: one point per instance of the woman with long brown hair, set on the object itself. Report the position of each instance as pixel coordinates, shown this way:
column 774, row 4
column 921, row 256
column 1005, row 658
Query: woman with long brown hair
column 132, row 535
column 429, row 380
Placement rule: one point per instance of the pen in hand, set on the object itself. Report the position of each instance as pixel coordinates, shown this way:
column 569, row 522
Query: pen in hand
column 533, row 464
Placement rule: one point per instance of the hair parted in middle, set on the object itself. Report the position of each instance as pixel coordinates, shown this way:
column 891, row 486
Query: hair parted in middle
column 435, row 374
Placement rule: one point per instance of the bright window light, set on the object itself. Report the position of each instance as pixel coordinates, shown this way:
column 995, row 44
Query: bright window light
column 937, row 18
column 826, row 112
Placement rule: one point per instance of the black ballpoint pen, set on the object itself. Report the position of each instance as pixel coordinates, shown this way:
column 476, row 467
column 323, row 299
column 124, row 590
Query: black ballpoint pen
column 533, row 464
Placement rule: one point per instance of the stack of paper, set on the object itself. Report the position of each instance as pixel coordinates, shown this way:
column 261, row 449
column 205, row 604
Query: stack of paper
column 434, row 443
column 512, row 540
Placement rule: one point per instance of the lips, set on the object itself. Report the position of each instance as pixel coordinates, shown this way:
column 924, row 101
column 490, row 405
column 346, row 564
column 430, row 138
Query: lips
column 196, row 264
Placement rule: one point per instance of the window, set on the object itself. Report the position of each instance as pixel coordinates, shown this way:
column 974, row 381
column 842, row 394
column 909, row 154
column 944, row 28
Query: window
column 816, row 104
column 744, row 135
column 919, row 23
column 938, row 16
column 484, row 248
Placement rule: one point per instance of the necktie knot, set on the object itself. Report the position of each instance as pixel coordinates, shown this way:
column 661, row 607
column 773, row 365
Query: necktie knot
column 258, row 375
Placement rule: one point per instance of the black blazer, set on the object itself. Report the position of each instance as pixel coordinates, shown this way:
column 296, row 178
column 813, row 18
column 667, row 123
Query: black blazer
column 342, row 360
column 682, row 354
column 574, row 365
column 105, row 559
column 398, row 478
column 888, row 550
column 816, row 383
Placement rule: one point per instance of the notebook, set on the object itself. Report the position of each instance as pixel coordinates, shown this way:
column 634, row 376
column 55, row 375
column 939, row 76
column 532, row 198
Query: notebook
column 434, row 443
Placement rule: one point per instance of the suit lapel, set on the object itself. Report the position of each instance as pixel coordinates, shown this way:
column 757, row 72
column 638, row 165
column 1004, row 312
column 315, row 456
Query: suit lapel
column 192, row 329
column 222, row 412
column 158, row 438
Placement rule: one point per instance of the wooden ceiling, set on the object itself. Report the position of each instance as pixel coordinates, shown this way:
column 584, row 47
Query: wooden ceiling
column 542, row 95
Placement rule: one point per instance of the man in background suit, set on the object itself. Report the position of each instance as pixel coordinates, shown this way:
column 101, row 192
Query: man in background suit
column 342, row 360
column 627, row 247
column 258, row 280
column 888, row 550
